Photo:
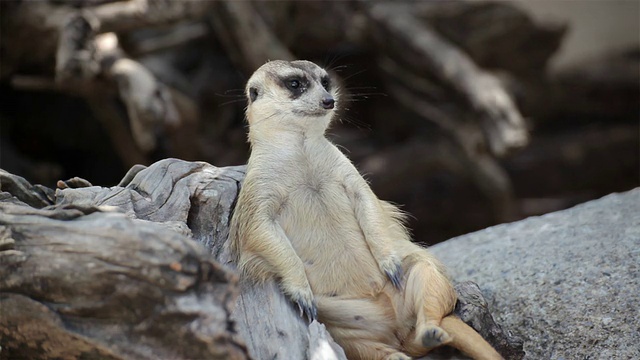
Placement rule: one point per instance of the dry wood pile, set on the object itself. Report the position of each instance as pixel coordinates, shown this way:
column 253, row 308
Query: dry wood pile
column 446, row 95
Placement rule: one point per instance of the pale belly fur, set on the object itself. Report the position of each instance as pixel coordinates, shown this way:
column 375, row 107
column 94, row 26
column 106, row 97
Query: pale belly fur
column 329, row 241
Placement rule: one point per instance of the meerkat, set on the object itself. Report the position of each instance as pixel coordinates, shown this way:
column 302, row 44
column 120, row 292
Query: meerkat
column 306, row 217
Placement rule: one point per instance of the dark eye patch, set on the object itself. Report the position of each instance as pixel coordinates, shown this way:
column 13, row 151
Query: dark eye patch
column 296, row 85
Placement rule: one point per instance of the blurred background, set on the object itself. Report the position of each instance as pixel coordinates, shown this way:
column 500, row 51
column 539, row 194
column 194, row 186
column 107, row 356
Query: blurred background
column 467, row 113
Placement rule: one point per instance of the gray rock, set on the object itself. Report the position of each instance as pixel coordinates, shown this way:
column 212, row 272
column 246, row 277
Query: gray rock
column 567, row 282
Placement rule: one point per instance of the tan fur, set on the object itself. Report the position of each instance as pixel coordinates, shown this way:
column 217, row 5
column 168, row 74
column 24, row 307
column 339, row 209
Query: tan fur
column 307, row 217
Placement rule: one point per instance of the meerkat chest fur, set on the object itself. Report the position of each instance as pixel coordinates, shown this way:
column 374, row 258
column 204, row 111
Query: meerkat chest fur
column 311, row 179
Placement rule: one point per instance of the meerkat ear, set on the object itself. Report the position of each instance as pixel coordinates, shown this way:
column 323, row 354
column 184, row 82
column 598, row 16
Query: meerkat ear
column 253, row 94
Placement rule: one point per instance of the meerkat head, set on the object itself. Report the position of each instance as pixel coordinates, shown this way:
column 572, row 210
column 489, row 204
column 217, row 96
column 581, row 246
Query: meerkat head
column 297, row 95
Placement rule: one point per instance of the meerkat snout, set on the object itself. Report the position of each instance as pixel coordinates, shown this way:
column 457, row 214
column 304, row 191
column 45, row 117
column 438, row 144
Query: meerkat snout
column 328, row 102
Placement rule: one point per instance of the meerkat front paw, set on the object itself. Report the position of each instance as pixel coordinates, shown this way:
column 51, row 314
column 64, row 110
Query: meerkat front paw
column 392, row 267
column 305, row 301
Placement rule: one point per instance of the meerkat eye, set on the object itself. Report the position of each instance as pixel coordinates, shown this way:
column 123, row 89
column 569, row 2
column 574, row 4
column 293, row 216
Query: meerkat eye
column 325, row 83
column 253, row 94
column 293, row 84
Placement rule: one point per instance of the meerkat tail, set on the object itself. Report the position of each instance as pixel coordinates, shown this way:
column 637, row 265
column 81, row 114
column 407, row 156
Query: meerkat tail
column 468, row 340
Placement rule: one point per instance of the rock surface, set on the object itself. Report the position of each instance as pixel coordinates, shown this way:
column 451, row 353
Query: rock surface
column 567, row 282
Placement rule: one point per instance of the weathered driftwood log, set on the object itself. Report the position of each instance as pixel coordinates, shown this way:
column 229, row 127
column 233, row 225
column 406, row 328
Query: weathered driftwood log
column 496, row 35
column 81, row 282
column 426, row 55
column 246, row 36
column 114, row 272
column 33, row 195
column 95, row 66
column 424, row 70
column 569, row 166
column 604, row 87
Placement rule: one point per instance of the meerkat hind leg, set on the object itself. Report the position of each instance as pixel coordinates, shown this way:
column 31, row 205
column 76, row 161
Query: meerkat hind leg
column 432, row 297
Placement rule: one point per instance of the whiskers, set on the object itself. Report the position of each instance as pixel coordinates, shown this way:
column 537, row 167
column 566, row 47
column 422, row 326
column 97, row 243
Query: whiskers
column 346, row 119
column 351, row 95
column 363, row 93
column 329, row 64
column 234, row 96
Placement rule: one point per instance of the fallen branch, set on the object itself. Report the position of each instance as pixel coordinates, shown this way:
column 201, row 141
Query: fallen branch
column 90, row 62
column 412, row 43
column 245, row 35
column 81, row 282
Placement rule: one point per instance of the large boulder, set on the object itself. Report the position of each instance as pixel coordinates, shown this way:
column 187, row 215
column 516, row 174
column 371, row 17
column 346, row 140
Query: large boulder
column 567, row 282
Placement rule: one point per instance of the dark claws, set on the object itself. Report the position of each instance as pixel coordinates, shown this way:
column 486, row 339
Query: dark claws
column 308, row 310
column 396, row 276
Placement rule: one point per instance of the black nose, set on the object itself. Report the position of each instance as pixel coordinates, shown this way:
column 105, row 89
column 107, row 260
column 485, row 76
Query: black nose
column 327, row 102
